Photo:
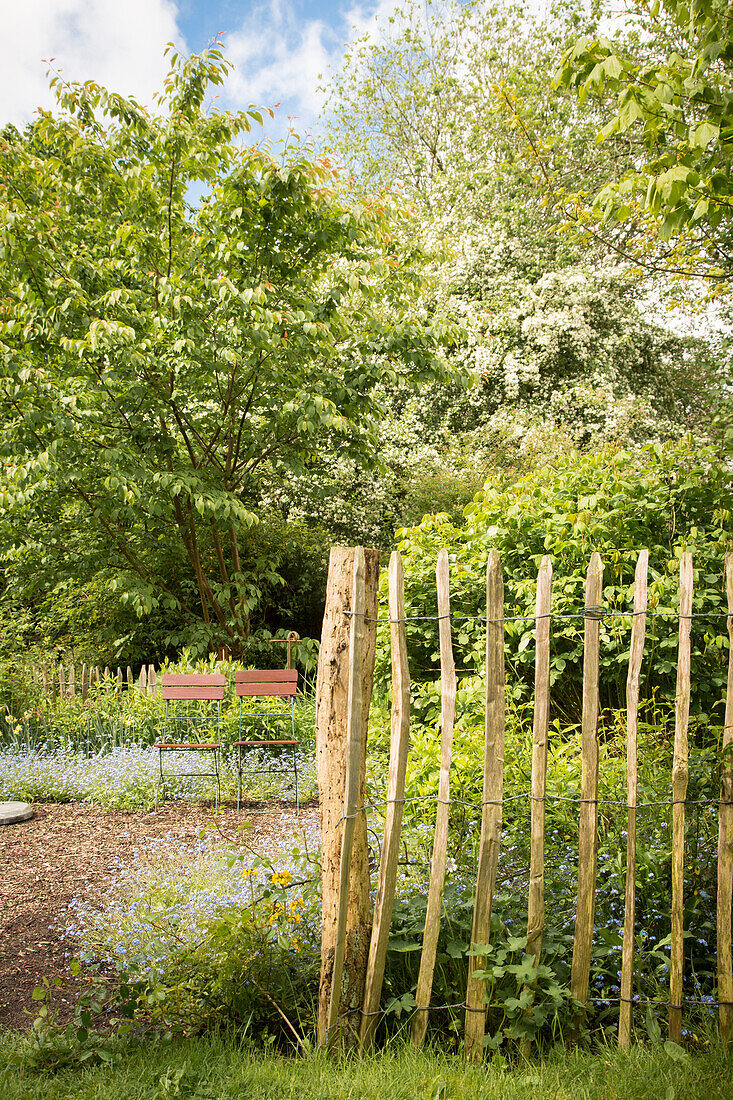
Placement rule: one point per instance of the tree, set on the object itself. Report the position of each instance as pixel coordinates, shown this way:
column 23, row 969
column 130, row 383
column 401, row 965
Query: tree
column 455, row 104
column 674, row 95
column 158, row 359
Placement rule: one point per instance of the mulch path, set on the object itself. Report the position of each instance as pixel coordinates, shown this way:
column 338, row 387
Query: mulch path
column 50, row 859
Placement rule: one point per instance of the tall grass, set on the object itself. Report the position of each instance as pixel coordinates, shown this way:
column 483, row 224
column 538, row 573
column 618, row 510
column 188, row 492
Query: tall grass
column 225, row 1066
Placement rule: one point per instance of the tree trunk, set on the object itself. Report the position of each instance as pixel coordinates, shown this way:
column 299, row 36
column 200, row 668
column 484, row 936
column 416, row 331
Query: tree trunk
column 331, row 718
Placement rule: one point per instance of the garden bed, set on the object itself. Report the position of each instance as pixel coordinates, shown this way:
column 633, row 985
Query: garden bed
column 69, row 851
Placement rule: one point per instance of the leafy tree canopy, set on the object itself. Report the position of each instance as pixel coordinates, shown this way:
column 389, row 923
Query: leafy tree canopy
column 156, row 360
column 667, row 498
column 674, row 104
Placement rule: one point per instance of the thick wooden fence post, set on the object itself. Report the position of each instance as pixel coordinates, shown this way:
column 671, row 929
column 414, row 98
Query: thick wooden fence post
column 588, row 827
column 638, row 633
column 492, row 809
column 331, row 762
column 440, row 842
column 680, row 775
column 398, row 751
column 152, row 680
column 725, row 840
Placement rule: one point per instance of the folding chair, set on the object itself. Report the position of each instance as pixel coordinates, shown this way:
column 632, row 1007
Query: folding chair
column 276, row 683
column 181, row 691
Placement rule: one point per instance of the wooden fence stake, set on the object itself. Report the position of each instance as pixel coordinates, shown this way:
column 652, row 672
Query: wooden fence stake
column 72, row 682
column 540, row 726
column 130, row 679
column 119, row 678
column 680, row 775
column 84, row 683
column 725, row 840
column 351, row 794
column 142, row 682
column 331, row 762
column 152, row 680
column 440, row 842
column 62, row 683
column 588, row 826
column 493, row 797
column 398, row 751
column 638, row 633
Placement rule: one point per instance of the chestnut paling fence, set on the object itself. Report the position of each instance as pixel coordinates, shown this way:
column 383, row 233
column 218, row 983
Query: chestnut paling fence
column 494, row 799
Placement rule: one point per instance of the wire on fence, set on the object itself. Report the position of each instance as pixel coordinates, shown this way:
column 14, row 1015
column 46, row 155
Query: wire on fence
column 597, row 613
column 528, row 796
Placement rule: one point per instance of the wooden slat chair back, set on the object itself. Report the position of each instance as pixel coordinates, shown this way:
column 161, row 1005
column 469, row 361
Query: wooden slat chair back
column 182, row 688
column 271, row 683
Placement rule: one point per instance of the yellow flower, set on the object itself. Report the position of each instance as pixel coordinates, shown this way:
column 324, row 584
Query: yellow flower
column 248, row 872
column 282, row 878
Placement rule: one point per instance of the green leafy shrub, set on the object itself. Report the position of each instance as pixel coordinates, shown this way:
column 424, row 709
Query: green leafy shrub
column 666, row 498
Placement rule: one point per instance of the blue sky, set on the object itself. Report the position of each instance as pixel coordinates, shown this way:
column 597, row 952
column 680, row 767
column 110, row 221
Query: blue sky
column 279, row 48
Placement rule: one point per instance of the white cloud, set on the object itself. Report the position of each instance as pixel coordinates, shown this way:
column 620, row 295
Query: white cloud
column 281, row 58
column 118, row 43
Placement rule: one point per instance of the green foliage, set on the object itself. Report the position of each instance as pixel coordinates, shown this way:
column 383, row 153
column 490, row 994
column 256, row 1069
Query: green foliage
column 673, row 95
column 157, row 361
column 220, row 938
column 105, row 1013
column 666, row 499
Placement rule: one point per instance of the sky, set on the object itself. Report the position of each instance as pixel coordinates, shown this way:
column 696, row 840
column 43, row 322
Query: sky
column 279, row 48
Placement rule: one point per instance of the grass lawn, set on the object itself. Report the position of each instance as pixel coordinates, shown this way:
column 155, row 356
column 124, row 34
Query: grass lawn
column 208, row 1068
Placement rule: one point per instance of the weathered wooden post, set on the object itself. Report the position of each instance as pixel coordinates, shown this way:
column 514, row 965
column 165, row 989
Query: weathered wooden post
column 332, row 705
column 588, row 824
column 399, row 748
column 725, row 840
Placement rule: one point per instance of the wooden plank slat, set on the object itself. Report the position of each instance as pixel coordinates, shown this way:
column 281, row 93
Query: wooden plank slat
column 72, row 682
column 398, row 752
column 62, row 683
column 142, row 681
column 638, row 634
column 84, row 683
column 152, row 680
column 440, row 842
column 351, row 793
column 540, row 727
column 492, row 810
column 725, row 840
column 266, row 675
column 265, row 687
column 209, row 685
column 588, row 826
column 680, row 776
